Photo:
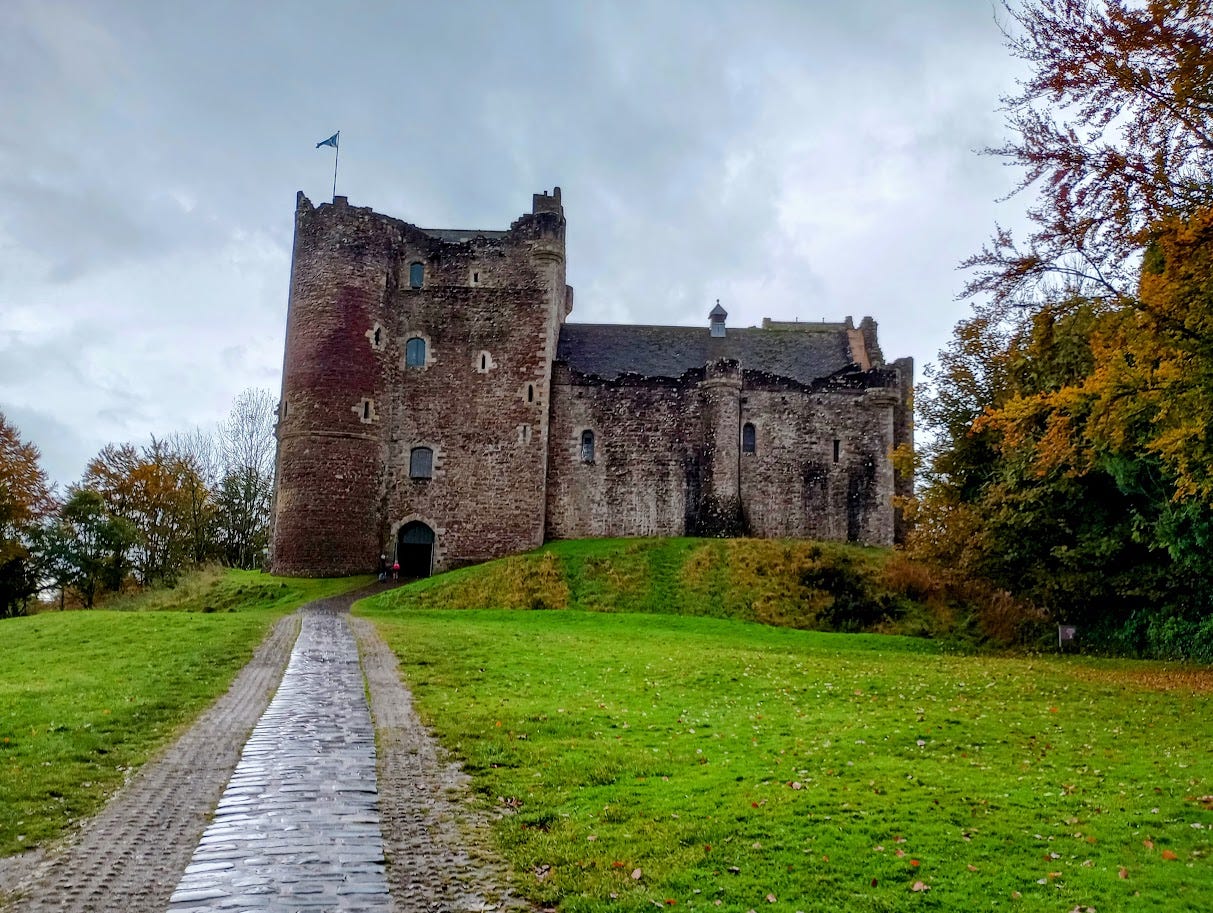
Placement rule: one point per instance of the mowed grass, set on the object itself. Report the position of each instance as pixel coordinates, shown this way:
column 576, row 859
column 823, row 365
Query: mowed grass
column 86, row 697
column 695, row 762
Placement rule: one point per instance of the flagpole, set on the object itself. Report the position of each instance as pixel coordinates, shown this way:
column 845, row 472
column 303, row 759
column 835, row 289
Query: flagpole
column 336, row 158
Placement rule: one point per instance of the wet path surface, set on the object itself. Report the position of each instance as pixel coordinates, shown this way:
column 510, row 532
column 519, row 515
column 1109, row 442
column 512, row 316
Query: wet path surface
column 298, row 826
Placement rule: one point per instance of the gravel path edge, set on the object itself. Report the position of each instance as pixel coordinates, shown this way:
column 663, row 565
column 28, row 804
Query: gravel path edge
column 436, row 842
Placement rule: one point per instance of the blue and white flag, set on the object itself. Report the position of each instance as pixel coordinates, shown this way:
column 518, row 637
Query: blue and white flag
column 331, row 141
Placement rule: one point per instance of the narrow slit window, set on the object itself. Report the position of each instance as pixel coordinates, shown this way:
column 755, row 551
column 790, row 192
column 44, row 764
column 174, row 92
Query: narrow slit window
column 530, row 393
column 366, row 408
column 421, row 463
column 837, row 450
column 378, row 335
column 484, row 362
column 416, row 275
column 747, row 438
column 414, row 353
column 587, row 446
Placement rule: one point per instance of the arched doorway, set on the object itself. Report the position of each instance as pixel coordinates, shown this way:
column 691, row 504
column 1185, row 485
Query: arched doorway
column 415, row 550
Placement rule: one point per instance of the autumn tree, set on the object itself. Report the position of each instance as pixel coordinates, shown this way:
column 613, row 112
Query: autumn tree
column 151, row 489
column 1113, row 129
column 199, row 448
column 1072, row 461
column 26, row 499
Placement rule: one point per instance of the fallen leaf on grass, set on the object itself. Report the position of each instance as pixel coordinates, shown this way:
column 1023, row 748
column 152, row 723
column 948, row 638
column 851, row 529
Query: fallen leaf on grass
column 1148, row 844
column 636, row 874
column 1123, row 872
column 971, row 867
column 771, row 898
column 1169, row 854
column 920, row 886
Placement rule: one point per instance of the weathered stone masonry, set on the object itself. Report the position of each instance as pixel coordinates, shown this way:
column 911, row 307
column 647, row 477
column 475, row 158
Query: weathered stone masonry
column 436, row 406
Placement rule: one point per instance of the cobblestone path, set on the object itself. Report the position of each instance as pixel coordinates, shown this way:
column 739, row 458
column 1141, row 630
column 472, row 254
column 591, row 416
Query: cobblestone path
column 298, row 825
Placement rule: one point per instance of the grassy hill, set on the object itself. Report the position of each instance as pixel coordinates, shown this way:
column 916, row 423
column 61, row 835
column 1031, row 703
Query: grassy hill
column 651, row 746
column 789, row 583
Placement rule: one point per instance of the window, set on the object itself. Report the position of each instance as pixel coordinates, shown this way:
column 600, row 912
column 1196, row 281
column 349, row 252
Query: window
column 747, row 438
column 530, row 393
column 837, row 450
column 587, row 446
column 414, row 353
column 416, row 275
column 484, row 362
column 378, row 338
column 366, row 410
column 421, row 463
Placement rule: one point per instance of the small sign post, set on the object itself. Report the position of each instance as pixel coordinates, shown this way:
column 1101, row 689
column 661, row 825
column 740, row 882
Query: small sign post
column 1066, row 634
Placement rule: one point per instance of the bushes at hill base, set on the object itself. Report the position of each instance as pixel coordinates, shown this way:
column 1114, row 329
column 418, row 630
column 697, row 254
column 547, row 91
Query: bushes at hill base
column 787, row 583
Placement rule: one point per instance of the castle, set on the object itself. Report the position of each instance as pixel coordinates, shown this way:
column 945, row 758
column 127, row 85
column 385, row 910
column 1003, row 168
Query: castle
column 437, row 407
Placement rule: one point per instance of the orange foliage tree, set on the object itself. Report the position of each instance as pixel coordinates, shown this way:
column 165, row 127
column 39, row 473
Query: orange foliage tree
column 25, row 500
column 1072, row 463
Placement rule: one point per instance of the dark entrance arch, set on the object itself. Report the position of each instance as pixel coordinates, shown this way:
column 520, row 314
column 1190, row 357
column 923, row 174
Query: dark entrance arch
column 415, row 550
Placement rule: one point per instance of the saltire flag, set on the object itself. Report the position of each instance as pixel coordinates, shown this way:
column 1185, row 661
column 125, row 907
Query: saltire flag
column 331, row 141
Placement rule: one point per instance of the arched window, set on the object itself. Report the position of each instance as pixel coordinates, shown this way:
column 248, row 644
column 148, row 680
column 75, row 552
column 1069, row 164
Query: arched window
column 421, row 463
column 530, row 393
column 414, row 353
column 587, row 446
column 747, row 438
column 416, row 275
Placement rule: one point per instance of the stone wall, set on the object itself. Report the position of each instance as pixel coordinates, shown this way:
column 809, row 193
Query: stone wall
column 821, row 464
column 487, row 307
column 668, row 459
column 643, row 480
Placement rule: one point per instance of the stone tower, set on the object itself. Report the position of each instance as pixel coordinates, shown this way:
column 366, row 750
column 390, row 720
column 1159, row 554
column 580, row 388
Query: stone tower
column 416, row 380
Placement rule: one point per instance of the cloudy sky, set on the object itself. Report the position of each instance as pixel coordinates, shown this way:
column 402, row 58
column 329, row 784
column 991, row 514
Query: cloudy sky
column 797, row 160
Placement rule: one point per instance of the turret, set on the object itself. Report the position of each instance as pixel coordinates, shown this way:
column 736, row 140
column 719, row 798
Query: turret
column 330, row 426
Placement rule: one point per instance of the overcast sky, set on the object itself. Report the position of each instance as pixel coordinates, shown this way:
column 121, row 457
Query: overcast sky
column 797, row 160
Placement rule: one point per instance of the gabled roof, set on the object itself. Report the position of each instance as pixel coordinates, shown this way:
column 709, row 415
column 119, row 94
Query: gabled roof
column 610, row 350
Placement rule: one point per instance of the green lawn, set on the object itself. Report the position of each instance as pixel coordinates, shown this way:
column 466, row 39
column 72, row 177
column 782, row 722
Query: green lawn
column 87, row 696
column 711, row 764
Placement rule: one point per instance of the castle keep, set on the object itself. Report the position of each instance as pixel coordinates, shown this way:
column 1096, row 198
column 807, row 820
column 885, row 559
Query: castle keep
column 438, row 407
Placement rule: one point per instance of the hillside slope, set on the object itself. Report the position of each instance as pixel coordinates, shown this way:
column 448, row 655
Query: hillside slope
column 790, row 583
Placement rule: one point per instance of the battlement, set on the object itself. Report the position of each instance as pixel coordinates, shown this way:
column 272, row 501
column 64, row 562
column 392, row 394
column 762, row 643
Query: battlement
column 542, row 202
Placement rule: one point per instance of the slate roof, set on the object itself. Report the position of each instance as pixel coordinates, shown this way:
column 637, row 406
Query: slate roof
column 609, row 350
